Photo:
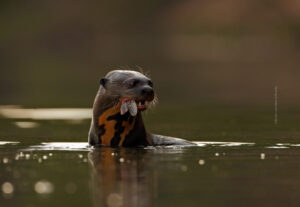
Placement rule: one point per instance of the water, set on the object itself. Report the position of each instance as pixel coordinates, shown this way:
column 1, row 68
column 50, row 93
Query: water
column 245, row 161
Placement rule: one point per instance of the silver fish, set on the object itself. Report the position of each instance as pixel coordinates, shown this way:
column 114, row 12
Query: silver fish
column 124, row 107
column 132, row 108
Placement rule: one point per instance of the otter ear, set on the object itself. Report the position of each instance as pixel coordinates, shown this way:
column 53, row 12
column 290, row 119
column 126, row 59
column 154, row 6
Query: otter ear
column 103, row 81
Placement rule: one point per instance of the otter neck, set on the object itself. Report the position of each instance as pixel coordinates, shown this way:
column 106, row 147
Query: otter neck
column 120, row 130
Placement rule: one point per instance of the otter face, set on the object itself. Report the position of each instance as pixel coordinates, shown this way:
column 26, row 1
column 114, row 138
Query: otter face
column 134, row 89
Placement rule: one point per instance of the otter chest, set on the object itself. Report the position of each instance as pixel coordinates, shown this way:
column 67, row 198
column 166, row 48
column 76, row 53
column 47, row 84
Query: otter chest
column 114, row 127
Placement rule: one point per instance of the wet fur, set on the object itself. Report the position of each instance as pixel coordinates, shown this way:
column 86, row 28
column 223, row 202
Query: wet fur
column 110, row 128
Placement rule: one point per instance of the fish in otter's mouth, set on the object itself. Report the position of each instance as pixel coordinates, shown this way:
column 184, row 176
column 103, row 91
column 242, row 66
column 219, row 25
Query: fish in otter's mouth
column 133, row 106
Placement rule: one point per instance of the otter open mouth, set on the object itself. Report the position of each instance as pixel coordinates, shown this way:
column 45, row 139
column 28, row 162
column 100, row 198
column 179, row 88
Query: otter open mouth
column 141, row 105
column 132, row 106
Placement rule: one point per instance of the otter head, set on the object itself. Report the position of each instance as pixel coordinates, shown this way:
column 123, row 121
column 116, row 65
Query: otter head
column 131, row 89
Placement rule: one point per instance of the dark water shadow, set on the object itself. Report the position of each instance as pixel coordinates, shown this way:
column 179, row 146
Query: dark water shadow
column 121, row 177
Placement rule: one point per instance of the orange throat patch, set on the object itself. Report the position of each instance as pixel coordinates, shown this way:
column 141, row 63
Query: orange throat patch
column 115, row 126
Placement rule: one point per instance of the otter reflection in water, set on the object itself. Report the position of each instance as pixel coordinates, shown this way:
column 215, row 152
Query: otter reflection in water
column 121, row 177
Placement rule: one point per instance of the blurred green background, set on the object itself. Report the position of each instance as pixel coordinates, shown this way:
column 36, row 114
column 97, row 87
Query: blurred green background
column 214, row 64
column 197, row 51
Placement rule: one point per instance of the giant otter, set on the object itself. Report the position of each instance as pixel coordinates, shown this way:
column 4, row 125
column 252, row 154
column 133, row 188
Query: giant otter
column 117, row 119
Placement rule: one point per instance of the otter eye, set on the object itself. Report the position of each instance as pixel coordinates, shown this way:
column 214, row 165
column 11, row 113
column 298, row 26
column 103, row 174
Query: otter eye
column 150, row 83
column 133, row 83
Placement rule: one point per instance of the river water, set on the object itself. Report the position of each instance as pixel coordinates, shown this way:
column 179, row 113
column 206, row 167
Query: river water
column 45, row 161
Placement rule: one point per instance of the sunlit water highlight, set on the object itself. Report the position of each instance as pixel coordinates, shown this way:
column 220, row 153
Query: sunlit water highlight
column 65, row 146
column 16, row 112
column 83, row 146
column 7, row 142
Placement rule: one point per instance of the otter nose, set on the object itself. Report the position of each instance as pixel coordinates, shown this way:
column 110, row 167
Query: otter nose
column 148, row 92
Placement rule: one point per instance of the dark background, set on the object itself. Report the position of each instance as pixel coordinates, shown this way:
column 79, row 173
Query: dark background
column 197, row 51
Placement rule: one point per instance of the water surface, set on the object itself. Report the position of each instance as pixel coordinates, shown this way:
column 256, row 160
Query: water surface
column 45, row 161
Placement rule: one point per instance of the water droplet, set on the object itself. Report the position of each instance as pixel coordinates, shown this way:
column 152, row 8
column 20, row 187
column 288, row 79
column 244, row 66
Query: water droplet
column 201, row 162
column 80, row 156
column 45, row 157
column 262, row 156
column 43, row 187
column 17, row 157
column 122, row 159
column 5, row 160
column 7, row 188
column 27, row 156
column 217, row 154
